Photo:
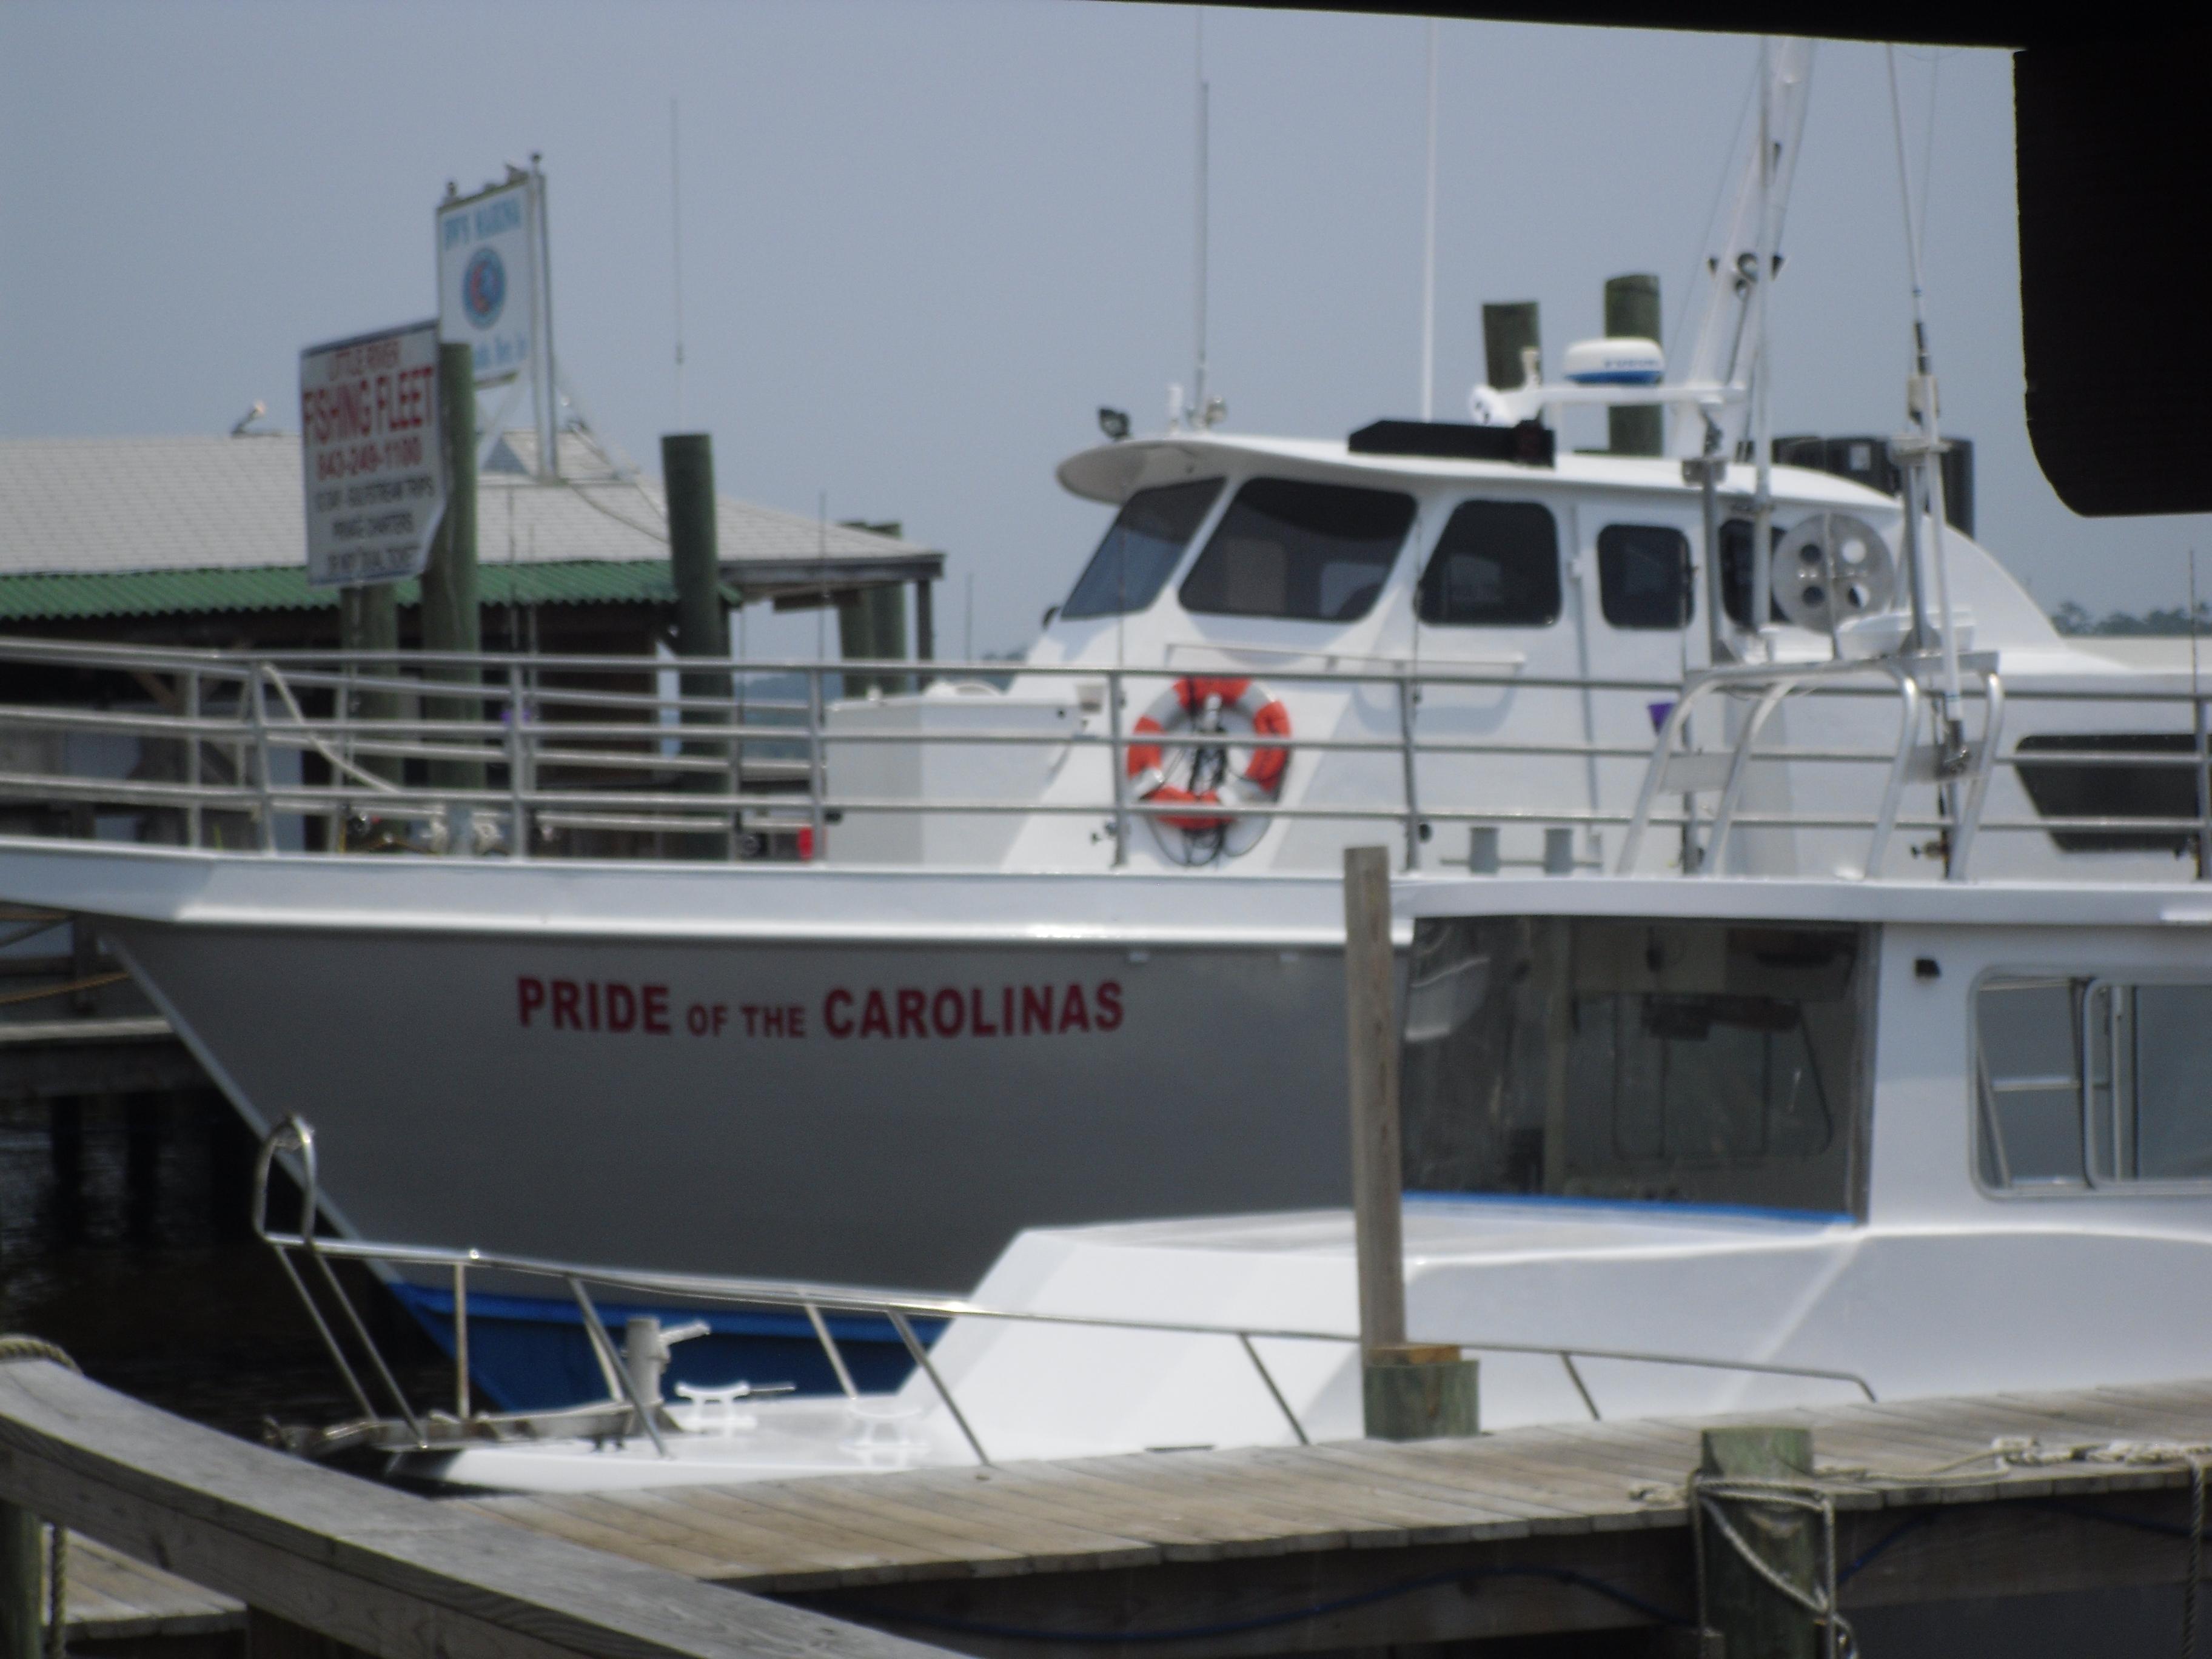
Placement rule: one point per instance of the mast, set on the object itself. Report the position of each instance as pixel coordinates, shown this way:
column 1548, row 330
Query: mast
column 1429, row 252
column 1198, row 395
column 1726, row 346
column 1924, row 449
column 1762, row 407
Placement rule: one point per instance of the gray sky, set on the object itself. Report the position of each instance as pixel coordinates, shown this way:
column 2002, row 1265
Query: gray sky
column 923, row 241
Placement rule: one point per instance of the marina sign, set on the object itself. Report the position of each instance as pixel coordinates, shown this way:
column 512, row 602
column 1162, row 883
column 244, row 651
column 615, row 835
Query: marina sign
column 371, row 456
column 487, row 276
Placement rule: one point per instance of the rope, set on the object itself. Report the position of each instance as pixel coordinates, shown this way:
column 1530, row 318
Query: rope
column 92, row 984
column 13, row 1349
column 1704, row 1495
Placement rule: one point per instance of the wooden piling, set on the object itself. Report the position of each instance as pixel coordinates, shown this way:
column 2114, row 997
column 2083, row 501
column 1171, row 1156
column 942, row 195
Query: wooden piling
column 21, row 1581
column 1632, row 310
column 369, row 622
column 1407, row 1391
column 1754, row 1619
column 703, row 626
column 451, row 620
column 1507, row 331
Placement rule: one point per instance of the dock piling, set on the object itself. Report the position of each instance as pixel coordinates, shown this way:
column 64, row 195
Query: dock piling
column 1408, row 1391
column 1754, row 1617
column 22, row 1578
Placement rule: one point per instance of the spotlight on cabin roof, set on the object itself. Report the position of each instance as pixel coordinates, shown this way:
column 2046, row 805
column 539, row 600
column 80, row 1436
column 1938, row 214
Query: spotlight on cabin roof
column 1623, row 360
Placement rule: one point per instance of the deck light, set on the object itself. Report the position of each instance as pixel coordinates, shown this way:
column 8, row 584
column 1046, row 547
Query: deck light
column 1115, row 423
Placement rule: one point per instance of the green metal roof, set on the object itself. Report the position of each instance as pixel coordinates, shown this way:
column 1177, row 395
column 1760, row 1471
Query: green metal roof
column 47, row 598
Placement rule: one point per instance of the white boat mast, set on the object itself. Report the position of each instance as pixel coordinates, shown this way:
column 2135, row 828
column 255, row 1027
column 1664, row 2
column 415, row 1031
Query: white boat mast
column 1727, row 347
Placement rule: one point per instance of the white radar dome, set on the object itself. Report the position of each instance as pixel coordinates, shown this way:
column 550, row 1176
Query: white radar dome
column 1621, row 361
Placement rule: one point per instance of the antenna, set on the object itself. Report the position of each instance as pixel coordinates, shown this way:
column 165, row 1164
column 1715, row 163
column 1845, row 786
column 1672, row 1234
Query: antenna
column 1920, row 403
column 1762, row 408
column 1198, row 397
column 1429, row 252
column 676, row 238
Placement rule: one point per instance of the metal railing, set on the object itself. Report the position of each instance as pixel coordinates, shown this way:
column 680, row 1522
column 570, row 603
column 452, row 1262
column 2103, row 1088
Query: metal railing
column 527, row 755
column 1916, row 754
column 626, row 1409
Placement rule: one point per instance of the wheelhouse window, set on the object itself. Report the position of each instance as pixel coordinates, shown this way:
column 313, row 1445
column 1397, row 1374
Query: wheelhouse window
column 1644, row 576
column 1735, row 571
column 1707, row 1062
column 2092, row 1082
column 1496, row 565
column 1141, row 549
column 1309, row 552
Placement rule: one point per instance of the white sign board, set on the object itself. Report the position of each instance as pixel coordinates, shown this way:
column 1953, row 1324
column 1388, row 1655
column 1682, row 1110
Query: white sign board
column 487, row 277
column 372, row 461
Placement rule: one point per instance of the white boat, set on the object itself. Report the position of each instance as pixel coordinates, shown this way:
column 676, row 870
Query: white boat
column 1675, row 1145
column 1045, row 965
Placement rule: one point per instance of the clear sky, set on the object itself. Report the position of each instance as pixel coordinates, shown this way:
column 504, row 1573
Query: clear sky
column 923, row 240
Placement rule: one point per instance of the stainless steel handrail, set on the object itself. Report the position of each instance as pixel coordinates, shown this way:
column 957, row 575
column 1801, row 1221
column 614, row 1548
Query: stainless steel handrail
column 767, row 764
column 295, row 1138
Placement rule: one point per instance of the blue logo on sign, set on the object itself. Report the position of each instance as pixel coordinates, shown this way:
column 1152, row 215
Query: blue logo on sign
column 483, row 288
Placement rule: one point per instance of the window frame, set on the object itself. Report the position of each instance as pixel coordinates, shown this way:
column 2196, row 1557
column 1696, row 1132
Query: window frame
column 1688, row 590
column 2092, row 1183
column 1221, row 482
column 1386, row 570
column 1437, row 550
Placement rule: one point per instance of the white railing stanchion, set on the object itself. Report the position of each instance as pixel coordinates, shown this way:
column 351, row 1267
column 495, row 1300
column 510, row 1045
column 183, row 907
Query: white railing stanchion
column 1408, row 694
column 1117, row 757
column 818, row 768
column 258, row 707
column 461, row 1340
column 195, row 814
column 518, row 769
column 1978, row 787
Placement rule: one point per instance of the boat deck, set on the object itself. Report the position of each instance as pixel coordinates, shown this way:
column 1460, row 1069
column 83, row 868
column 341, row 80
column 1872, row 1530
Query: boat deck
column 1359, row 1543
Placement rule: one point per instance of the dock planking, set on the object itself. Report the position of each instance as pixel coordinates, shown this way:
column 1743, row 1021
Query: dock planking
column 1215, row 1554
column 358, row 1564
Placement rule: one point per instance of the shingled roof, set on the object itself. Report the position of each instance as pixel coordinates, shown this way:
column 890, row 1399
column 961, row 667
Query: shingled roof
column 113, row 526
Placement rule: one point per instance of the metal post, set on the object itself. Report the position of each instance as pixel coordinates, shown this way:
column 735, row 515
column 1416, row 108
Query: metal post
column 1117, row 757
column 518, row 767
column 461, row 1339
column 195, row 822
column 830, row 1347
column 259, row 708
column 1406, row 696
column 2204, row 797
column 921, row 1357
column 817, row 771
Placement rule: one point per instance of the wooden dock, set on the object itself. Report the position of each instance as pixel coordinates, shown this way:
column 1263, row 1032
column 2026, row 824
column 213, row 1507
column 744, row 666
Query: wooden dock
column 1579, row 1528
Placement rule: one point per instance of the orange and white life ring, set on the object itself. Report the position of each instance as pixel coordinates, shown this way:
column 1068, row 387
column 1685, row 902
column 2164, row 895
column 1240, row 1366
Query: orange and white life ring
column 1196, row 705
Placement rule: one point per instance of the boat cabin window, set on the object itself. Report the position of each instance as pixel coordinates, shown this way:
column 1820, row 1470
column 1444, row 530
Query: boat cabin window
column 1141, row 549
column 1496, row 565
column 1311, row 552
column 1735, row 571
column 1702, row 1062
column 1644, row 576
column 2084, row 1082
